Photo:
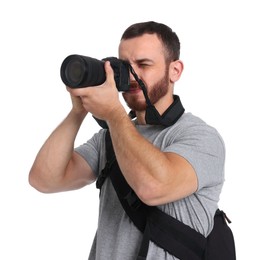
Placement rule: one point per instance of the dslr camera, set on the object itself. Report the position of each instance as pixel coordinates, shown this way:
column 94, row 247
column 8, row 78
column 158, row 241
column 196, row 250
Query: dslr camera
column 79, row 71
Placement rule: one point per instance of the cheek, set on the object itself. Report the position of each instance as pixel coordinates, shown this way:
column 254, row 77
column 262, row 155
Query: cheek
column 150, row 78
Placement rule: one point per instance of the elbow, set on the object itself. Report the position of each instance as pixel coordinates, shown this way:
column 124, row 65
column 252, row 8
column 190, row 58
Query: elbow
column 150, row 194
column 35, row 181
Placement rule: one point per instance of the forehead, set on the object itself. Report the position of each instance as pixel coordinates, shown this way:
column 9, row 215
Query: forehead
column 147, row 45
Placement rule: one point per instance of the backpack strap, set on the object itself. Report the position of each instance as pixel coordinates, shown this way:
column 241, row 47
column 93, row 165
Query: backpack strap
column 167, row 232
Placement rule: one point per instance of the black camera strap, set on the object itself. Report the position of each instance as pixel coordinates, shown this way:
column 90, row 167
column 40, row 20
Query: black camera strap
column 168, row 118
column 152, row 116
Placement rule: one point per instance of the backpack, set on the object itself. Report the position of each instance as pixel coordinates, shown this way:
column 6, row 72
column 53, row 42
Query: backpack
column 165, row 231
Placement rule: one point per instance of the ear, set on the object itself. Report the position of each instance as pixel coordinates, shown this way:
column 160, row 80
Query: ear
column 175, row 70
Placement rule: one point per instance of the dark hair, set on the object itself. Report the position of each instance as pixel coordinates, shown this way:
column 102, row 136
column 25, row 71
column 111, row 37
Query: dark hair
column 165, row 34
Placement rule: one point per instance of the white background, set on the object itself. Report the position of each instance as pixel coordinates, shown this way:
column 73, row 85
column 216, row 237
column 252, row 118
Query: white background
column 223, row 49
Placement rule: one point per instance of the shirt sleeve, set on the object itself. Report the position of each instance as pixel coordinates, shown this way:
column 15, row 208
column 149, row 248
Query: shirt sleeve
column 203, row 147
column 93, row 151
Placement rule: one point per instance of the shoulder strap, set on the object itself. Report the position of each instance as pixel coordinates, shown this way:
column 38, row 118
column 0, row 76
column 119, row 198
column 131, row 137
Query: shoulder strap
column 135, row 209
column 167, row 232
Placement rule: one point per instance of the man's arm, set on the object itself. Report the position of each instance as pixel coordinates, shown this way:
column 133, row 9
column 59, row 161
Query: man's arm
column 155, row 176
column 57, row 167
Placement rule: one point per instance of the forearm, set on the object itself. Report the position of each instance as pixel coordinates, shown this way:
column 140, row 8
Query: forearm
column 53, row 158
column 143, row 165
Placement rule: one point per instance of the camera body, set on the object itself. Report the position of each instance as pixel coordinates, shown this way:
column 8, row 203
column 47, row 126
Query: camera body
column 79, row 71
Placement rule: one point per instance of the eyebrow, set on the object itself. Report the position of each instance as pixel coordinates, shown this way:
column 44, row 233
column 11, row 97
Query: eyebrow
column 143, row 60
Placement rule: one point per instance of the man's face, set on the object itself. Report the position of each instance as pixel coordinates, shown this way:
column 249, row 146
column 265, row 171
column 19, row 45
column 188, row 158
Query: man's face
column 146, row 56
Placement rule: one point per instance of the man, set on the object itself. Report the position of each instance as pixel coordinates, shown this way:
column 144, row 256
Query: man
column 178, row 167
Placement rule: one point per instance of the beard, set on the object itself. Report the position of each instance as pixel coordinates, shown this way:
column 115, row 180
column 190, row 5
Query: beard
column 155, row 93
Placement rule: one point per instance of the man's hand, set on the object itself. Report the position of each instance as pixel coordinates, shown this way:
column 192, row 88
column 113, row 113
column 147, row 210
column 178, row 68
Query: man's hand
column 102, row 100
column 77, row 105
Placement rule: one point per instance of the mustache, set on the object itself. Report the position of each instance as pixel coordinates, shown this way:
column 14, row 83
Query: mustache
column 134, row 85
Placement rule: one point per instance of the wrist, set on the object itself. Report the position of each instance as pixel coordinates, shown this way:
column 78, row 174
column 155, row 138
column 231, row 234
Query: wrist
column 117, row 116
column 77, row 115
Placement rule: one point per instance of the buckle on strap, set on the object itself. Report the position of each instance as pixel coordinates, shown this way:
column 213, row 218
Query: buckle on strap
column 132, row 200
column 223, row 214
column 103, row 175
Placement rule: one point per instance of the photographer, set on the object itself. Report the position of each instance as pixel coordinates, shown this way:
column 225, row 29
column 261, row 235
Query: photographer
column 170, row 159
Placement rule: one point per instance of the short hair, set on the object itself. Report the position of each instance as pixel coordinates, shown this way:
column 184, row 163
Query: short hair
column 167, row 36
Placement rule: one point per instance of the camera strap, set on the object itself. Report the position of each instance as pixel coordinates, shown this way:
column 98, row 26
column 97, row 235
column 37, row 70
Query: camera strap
column 168, row 118
column 152, row 116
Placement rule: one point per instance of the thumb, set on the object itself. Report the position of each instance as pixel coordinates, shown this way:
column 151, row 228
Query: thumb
column 109, row 72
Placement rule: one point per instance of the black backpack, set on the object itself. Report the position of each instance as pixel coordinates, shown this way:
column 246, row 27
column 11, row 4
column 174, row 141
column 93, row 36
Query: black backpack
column 167, row 232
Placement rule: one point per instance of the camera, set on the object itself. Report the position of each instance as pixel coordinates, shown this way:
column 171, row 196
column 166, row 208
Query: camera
column 79, row 71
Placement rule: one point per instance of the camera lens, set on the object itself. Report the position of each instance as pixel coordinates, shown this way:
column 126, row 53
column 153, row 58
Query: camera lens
column 82, row 71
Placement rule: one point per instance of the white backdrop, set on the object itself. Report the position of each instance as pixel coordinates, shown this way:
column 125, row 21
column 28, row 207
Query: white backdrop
column 223, row 49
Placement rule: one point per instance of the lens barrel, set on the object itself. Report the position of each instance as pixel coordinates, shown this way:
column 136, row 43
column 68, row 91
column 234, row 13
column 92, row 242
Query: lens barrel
column 79, row 71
